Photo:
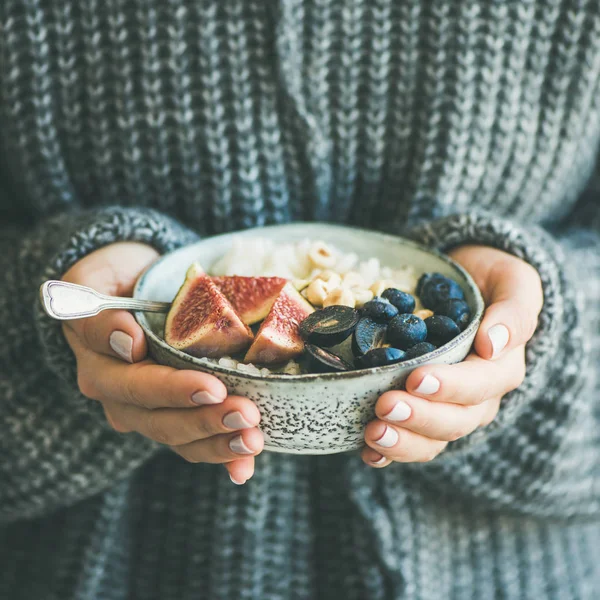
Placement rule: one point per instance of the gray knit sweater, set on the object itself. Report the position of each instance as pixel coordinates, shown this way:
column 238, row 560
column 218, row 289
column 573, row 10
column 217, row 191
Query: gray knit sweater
column 161, row 120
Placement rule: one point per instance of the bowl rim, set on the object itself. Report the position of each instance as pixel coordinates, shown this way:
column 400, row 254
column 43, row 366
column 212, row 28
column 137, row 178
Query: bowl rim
column 309, row 377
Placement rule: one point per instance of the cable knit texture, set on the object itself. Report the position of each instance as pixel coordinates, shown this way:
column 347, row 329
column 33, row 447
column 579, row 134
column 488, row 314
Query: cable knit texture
column 157, row 121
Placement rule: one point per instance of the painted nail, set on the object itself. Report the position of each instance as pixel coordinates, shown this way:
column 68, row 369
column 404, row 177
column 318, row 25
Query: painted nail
column 498, row 335
column 379, row 461
column 205, row 398
column 238, row 446
column 388, row 439
column 236, row 482
column 429, row 385
column 235, row 420
column 122, row 344
column 400, row 412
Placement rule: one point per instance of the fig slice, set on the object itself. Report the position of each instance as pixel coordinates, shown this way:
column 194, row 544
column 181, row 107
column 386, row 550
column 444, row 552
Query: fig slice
column 251, row 297
column 202, row 322
column 278, row 339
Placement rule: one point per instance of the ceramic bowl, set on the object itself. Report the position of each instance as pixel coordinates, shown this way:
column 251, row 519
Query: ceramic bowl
column 312, row 413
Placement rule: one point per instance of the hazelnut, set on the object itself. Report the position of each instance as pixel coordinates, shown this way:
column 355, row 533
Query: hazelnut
column 362, row 296
column 300, row 284
column 333, row 279
column 347, row 262
column 380, row 286
column 317, row 291
column 340, row 297
column 352, row 279
column 320, row 255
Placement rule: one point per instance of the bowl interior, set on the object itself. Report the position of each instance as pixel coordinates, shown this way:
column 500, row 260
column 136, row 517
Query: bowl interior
column 163, row 279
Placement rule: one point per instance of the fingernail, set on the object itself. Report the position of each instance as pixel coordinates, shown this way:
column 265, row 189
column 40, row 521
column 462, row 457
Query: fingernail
column 498, row 335
column 236, row 482
column 379, row 461
column 235, row 420
column 122, row 344
column 205, row 398
column 400, row 412
column 429, row 385
column 388, row 439
column 237, row 445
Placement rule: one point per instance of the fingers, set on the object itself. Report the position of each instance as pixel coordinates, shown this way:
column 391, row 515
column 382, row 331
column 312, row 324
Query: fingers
column 470, row 382
column 374, row 458
column 144, row 384
column 149, row 398
column 515, row 298
column 446, row 402
column 113, row 333
column 224, row 448
column 112, row 270
column 435, row 420
column 177, row 426
column 400, row 445
column 240, row 470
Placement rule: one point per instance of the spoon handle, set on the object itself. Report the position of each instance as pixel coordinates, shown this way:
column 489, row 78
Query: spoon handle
column 64, row 301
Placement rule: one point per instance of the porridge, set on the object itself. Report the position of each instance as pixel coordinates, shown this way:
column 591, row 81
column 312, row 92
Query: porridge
column 304, row 307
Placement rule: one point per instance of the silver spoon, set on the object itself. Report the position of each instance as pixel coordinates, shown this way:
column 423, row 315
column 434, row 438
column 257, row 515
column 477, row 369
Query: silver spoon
column 65, row 301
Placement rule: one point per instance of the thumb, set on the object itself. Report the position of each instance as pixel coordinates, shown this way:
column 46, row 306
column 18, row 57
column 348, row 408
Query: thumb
column 513, row 292
column 112, row 270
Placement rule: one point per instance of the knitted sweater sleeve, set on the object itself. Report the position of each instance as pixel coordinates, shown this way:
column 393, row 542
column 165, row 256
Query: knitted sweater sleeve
column 542, row 453
column 56, row 447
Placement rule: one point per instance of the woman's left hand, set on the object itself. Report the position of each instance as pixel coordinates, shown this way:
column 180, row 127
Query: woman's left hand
column 443, row 403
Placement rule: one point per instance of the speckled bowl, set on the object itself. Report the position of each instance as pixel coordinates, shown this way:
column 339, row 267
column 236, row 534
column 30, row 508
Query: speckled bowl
column 308, row 414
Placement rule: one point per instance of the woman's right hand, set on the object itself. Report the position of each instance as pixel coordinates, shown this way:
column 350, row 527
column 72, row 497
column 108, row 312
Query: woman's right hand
column 186, row 410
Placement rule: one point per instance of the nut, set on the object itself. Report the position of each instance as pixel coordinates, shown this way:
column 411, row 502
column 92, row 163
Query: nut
column 340, row 297
column 352, row 279
column 300, row 284
column 326, row 274
column 291, row 368
column 380, row 286
column 317, row 291
column 333, row 279
column 320, row 255
column 347, row 262
column 425, row 313
column 362, row 297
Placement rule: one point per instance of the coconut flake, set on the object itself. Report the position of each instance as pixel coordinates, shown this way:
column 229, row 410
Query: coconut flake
column 291, row 368
column 227, row 362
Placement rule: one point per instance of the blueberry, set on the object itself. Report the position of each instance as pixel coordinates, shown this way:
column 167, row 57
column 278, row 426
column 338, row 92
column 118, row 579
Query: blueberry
column 437, row 289
column 404, row 302
column 426, row 278
column 441, row 329
column 419, row 350
column 379, row 310
column 368, row 334
column 379, row 357
column 457, row 310
column 406, row 330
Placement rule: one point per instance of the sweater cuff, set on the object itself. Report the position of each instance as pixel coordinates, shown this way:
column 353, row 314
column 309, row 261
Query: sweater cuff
column 537, row 248
column 77, row 235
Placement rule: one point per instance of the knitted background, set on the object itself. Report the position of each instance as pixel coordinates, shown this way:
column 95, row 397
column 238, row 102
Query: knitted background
column 160, row 120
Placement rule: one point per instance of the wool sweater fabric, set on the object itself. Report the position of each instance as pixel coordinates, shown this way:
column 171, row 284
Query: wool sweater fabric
column 163, row 120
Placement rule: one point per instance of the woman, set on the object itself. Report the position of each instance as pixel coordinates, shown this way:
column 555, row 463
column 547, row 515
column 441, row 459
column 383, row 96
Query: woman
column 130, row 128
